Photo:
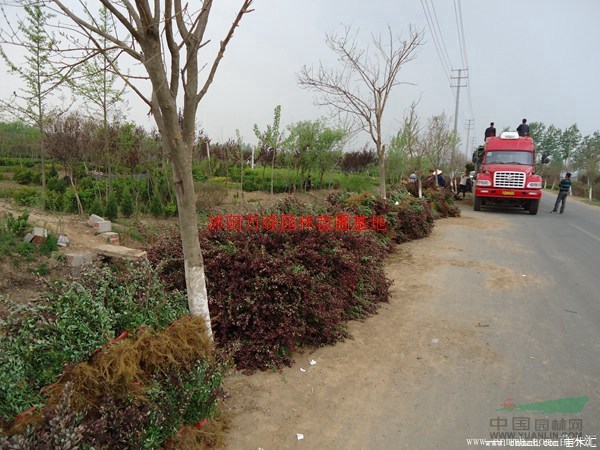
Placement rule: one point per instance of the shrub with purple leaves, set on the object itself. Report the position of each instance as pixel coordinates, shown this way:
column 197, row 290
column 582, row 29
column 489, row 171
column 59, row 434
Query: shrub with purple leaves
column 271, row 292
column 442, row 203
column 406, row 217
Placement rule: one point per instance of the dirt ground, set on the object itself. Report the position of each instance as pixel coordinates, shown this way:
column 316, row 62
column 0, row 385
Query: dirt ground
column 21, row 285
column 320, row 401
column 18, row 282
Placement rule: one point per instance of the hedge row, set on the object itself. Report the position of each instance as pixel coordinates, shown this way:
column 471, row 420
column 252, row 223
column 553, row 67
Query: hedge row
column 273, row 291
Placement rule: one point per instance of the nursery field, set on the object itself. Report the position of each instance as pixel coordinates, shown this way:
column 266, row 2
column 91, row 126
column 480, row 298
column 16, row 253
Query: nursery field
column 82, row 354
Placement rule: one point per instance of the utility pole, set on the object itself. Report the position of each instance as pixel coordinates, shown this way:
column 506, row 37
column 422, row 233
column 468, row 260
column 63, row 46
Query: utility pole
column 469, row 126
column 459, row 78
column 458, row 86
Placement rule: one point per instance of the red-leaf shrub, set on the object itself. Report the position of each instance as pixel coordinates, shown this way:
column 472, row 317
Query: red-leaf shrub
column 273, row 291
column 406, row 217
column 442, row 203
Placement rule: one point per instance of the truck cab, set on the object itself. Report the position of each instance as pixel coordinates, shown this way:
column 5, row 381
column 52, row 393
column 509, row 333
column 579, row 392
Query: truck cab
column 505, row 173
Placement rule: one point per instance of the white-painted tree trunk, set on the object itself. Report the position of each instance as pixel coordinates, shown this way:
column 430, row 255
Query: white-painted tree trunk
column 197, row 294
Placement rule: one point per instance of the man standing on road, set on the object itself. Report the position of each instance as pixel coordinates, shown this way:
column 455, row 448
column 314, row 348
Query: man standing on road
column 565, row 187
column 490, row 131
column 523, row 129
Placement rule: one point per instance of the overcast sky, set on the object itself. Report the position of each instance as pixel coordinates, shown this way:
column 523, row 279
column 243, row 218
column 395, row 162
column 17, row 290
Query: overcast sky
column 534, row 59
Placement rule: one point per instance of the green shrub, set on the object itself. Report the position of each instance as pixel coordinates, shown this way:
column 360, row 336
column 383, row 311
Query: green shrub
column 210, row 194
column 38, row 340
column 442, row 203
column 355, row 183
column 23, row 176
column 171, row 209
column 96, row 207
column 156, row 207
column 127, row 206
column 112, row 208
column 49, row 246
column 29, row 197
column 17, row 226
column 55, row 201
column 135, row 297
column 52, row 173
column 7, row 192
column 71, row 323
column 56, row 184
column 135, row 393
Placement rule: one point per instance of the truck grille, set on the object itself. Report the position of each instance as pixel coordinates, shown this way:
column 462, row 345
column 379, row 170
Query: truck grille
column 509, row 180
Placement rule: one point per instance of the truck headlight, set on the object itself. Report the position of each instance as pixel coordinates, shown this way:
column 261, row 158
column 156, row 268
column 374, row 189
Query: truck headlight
column 534, row 184
column 484, row 183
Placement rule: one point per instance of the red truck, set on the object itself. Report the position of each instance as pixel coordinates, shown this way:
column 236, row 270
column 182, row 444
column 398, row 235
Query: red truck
column 505, row 173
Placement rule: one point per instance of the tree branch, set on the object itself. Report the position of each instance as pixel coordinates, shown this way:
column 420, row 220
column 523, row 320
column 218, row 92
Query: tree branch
column 245, row 9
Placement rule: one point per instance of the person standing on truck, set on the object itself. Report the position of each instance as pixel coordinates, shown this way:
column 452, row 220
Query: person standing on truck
column 490, row 131
column 563, row 191
column 523, row 129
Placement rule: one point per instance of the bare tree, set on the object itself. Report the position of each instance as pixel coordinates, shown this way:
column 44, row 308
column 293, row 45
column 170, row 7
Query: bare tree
column 438, row 140
column 361, row 87
column 166, row 38
column 410, row 136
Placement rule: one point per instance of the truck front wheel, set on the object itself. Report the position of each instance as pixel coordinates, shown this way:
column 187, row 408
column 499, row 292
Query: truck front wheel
column 476, row 203
column 533, row 207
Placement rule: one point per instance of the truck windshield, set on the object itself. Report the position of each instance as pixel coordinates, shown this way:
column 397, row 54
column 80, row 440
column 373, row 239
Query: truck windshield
column 508, row 157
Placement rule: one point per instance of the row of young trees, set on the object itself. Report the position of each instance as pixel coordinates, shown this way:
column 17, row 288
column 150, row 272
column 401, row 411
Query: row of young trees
column 307, row 146
column 568, row 149
column 421, row 145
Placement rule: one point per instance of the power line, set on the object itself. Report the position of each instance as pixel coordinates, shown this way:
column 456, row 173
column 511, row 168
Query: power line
column 441, row 36
column 433, row 24
column 445, row 66
column 462, row 34
column 463, row 47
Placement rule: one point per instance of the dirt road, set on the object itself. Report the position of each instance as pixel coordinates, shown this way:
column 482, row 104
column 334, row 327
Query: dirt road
column 339, row 401
column 470, row 328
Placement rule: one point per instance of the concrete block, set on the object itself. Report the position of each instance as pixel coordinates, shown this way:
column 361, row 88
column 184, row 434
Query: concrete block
column 93, row 219
column 62, row 241
column 103, row 226
column 40, row 235
column 39, row 231
column 28, row 237
column 79, row 259
column 111, row 237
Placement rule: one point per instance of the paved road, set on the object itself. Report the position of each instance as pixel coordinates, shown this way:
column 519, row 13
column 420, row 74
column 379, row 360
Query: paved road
column 531, row 286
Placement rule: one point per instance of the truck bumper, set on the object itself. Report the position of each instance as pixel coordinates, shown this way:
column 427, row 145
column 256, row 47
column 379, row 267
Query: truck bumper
column 508, row 194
